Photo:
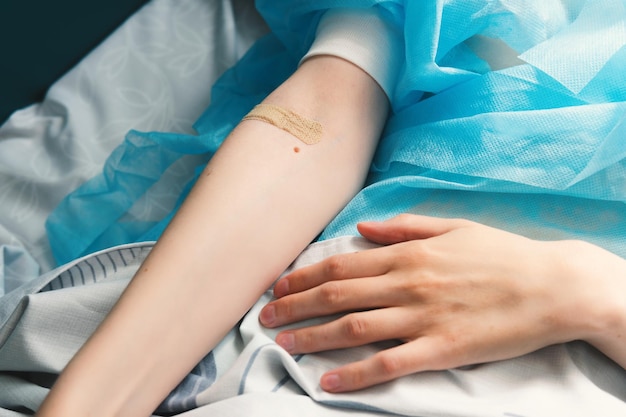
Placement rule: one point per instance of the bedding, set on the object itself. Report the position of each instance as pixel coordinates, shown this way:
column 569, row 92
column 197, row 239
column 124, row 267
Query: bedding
column 248, row 374
column 155, row 74
column 531, row 143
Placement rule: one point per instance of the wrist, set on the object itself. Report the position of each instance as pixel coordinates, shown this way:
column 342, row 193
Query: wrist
column 596, row 283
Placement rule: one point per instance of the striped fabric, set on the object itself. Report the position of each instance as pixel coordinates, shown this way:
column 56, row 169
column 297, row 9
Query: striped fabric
column 43, row 323
column 98, row 267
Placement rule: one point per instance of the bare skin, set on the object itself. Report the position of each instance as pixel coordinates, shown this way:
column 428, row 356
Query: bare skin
column 455, row 293
column 264, row 189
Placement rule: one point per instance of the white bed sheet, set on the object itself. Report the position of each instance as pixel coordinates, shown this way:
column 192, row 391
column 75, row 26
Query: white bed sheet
column 155, row 73
column 248, row 374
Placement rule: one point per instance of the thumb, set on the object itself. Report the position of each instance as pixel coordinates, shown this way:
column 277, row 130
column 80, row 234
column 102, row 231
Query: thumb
column 407, row 227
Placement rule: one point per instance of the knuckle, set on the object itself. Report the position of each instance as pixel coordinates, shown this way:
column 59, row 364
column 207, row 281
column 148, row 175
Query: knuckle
column 335, row 266
column 406, row 254
column 355, row 327
column 358, row 378
column 390, row 365
column 330, row 293
column 452, row 352
column 414, row 254
column 410, row 288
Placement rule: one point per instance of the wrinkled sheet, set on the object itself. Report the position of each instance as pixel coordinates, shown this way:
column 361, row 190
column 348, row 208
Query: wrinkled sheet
column 43, row 324
column 155, row 73
column 530, row 141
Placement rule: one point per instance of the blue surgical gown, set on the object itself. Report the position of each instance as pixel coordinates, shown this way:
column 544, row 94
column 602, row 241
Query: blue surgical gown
column 537, row 148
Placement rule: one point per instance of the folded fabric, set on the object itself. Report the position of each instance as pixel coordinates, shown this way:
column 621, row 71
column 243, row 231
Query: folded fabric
column 44, row 323
column 546, row 123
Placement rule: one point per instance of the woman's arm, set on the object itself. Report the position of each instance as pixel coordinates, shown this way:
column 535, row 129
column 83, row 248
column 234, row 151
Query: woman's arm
column 263, row 197
column 456, row 293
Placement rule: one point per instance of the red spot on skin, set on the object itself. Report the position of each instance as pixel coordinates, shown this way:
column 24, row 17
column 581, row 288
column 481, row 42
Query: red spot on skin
column 296, row 149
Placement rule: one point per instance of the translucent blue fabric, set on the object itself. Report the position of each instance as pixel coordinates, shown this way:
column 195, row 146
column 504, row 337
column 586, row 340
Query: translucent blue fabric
column 537, row 146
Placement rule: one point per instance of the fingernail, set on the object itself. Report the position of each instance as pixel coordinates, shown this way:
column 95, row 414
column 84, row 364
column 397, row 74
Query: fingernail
column 268, row 315
column 281, row 288
column 330, row 382
column 287, row 341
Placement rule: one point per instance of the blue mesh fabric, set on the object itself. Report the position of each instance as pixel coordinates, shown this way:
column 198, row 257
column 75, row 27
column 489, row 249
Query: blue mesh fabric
column 538, row 148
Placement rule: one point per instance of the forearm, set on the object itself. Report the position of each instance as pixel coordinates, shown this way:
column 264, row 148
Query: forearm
column 262, row 198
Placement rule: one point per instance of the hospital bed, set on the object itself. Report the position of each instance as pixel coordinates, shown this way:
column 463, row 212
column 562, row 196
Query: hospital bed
column 155, row 73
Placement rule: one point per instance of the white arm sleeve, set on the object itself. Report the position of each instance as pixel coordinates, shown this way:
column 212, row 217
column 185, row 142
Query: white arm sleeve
column 363, row 38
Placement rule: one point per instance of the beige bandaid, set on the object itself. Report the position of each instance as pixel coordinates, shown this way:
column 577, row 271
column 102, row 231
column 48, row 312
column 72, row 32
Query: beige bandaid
column 308, row 131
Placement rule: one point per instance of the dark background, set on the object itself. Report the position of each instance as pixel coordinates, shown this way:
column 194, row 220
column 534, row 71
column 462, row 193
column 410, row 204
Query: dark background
column 40, row 40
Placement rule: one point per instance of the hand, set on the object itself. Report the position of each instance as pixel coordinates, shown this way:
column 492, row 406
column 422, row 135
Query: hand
column 453, row 291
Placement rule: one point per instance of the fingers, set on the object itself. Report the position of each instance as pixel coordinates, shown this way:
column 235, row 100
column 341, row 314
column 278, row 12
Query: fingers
column 408, row 227
column 387, row 365
column 369, row 263
column 330, row 298
column 355, row 329
column 373, row 262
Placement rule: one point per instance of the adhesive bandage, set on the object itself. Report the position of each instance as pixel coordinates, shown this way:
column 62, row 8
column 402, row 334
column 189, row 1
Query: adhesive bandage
column 308, row 131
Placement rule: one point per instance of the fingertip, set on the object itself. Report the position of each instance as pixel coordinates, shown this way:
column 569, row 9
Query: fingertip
column 331, row 382
column 267, row 316
column 368, row 227
column 368, row 223
column 364, row 225
column 380, row 232
column 287, row 341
